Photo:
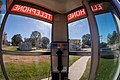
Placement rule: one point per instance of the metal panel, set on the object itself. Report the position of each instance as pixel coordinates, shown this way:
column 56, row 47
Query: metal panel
column 60, row 28
column 116, row 7
column 1, row 55
column 95, row 41
column 59, row 36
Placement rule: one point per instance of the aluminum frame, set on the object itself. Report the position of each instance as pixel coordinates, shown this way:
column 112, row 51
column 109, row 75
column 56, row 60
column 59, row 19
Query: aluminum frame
column 19, row 53
column 94, row 37
column 1, row 54
column 117, row 77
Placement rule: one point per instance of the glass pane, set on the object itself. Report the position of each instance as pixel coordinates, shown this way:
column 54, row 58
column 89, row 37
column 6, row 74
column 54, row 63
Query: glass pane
column 109, row 46
column 26, row 34
column 79, row 36
column 27, row 67
column 2, row 9
column 79, row 41
column 2, row 13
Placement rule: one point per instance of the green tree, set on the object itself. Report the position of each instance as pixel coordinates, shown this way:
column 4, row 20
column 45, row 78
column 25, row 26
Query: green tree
column 103, row 45
column 16, row 39
column 113, row 38
column 35, row 38
column 109, row 36
column 86, row 39
column 45, row 42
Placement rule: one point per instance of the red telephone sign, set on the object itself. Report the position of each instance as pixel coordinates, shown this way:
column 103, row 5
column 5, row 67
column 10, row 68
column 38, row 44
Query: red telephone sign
column 81, row 12
column 32, row 11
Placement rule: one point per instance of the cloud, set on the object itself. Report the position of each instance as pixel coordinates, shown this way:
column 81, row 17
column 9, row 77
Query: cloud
column 34, row 25
column 25, row 26
column 43, row 27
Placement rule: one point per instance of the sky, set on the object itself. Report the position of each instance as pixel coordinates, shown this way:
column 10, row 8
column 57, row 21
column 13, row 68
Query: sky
column 106, row 25
column 3, row 6
column 78, row 28
column 105, row 22
column 23, row 25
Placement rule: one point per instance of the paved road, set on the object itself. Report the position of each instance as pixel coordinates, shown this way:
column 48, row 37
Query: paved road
column 77, row 69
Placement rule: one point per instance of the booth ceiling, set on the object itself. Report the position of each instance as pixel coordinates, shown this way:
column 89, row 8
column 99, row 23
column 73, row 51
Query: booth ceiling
column 60, row 6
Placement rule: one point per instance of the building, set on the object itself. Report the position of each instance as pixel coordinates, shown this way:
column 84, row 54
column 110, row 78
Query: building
column 74, row 44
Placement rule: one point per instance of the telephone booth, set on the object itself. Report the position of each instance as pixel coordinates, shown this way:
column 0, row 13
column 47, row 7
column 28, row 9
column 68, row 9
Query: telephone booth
column 60, row 39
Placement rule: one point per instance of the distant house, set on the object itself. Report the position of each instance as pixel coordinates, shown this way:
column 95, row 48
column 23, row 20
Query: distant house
column 25, row 46
column 74, row 44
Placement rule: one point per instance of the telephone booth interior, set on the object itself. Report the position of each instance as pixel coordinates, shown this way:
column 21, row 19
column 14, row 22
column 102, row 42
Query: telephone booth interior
column 42, row 39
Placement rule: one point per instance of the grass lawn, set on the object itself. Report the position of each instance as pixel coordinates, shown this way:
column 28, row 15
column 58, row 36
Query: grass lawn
column 14, row 48
column 11, row 48
column 1, row 75
column 34, row 71
column 41, row 50
column 72, row 59
column 105, row 71
column 30, row 71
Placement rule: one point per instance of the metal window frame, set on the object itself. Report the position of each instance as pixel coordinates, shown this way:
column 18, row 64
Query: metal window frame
column 1, row 54
column 95, row 52
column 94, row 37
column 8, row 11
column 21, row 14
column 117, row 9
column 94, row 40
column 117, row 76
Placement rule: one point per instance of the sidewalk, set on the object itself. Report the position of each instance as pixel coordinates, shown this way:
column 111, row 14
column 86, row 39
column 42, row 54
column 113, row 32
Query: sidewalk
column 77, row 69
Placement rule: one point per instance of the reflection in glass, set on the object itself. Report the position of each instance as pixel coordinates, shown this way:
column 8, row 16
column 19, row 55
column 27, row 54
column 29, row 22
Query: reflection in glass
column 109, row 46
column 27, row 67
column 79, row 36
column 26, row 34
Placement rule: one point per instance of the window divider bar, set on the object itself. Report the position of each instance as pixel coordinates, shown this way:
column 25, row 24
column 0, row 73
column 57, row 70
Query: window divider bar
column 1, row 55
column 94, row 40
